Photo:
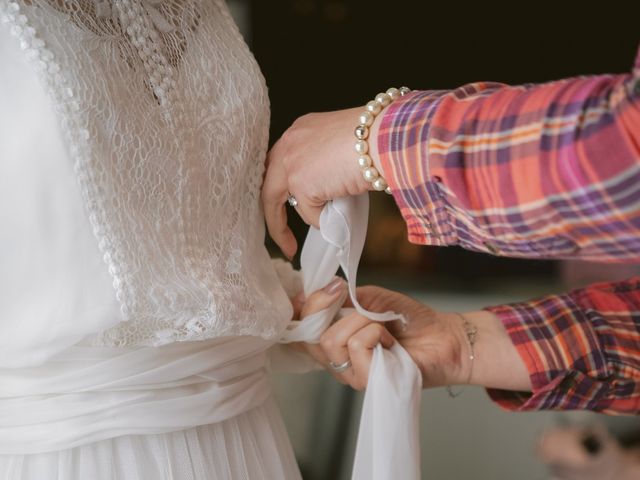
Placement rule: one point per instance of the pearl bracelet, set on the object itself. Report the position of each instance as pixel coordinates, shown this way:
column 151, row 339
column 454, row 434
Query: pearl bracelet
column 373, row 109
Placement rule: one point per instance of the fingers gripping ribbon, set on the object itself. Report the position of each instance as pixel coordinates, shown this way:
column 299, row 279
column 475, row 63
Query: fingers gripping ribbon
column 388, row 439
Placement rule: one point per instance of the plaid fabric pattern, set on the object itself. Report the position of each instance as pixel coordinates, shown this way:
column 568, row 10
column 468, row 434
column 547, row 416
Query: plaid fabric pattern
column 582, row 349
column 537, row 171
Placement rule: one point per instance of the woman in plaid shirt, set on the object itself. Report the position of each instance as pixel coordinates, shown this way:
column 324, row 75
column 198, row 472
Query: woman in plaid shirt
column 535, row 171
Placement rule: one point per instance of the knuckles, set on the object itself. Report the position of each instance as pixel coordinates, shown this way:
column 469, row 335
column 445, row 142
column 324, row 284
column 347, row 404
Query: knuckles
column 302, row 120
column 354, row 343
column 327, row 342
column 287, row 137
column 299, row 129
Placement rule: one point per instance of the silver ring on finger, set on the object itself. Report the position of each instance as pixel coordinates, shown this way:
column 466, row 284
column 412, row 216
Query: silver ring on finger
column 340, row 367
column 291, row 200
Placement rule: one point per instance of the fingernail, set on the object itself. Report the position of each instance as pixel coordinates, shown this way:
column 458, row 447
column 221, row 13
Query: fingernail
column 334, row 286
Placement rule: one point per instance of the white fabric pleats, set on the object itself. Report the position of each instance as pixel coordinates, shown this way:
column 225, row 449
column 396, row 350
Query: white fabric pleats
column 88, row 394
column 189, row 410
column 137, row 411
column 143, row 125
column 251, row 446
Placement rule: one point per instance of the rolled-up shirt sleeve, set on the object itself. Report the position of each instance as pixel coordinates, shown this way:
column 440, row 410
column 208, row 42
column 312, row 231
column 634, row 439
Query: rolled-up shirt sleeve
column 547, row 171
column 536, row 171
column 581, row 349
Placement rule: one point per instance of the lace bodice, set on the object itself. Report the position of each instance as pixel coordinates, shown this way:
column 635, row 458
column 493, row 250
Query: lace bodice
column 164, row 114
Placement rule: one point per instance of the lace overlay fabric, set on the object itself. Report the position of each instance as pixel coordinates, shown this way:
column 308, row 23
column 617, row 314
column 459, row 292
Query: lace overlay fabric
column 165, row 115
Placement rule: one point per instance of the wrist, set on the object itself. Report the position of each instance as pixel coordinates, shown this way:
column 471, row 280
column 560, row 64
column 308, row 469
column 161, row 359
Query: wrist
column 373, row 144
column 354, row 169
column 496, row 363
column 366, row 134
column 438, row 349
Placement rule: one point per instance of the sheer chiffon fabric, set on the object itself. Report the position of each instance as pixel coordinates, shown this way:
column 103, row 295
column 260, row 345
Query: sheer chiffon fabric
column 157, row 390
column 188, row 410
column 253, row 445
column 155, row 120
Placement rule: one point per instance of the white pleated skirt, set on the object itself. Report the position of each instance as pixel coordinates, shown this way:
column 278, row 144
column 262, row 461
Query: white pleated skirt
column 253, row 445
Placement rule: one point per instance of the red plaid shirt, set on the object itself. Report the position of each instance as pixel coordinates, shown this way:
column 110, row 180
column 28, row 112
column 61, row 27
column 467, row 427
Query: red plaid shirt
column 537, row 171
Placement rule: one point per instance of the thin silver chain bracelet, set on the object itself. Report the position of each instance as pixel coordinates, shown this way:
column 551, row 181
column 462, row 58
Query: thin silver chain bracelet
column 471, row 331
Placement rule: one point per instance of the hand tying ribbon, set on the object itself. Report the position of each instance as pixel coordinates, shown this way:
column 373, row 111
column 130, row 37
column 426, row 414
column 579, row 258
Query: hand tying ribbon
column 388, row 439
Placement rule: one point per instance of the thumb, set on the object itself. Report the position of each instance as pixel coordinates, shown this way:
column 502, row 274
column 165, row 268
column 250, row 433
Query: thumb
column 321, row 299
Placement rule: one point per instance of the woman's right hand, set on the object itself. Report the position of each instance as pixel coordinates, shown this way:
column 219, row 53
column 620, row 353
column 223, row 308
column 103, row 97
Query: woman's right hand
column 431, row 338
column 437, row 342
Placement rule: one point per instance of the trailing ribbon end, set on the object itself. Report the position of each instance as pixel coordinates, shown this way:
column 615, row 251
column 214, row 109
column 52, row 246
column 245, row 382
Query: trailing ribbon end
column 388, row 439
column 388, row 445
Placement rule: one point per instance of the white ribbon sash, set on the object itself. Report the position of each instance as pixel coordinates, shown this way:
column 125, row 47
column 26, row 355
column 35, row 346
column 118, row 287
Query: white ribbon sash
column 88, row 394
column 388, row 440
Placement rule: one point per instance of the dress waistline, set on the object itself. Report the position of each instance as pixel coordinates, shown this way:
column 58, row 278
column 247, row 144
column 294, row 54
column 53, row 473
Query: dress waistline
column 87, row 394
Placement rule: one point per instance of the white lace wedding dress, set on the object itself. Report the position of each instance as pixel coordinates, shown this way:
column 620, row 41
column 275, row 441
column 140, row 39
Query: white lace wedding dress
column 137, row 301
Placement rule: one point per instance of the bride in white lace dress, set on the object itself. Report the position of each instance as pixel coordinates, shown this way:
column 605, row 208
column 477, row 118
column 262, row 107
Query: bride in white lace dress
column 137, row 300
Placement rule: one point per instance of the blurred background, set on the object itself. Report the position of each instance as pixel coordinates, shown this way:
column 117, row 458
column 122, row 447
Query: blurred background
column 320, row 55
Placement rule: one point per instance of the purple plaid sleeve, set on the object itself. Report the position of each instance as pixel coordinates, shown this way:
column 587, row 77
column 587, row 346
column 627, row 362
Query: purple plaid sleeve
column 581, row 349
column 536, row 171
column 544, row 171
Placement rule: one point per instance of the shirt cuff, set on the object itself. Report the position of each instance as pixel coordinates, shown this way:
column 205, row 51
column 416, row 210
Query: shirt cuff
column 559, row 342
column 402, row 147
